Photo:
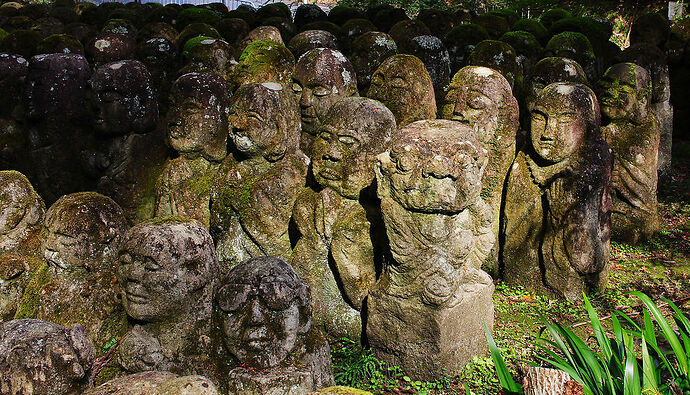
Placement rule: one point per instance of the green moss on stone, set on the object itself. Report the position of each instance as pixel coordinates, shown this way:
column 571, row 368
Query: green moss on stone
column 28, row 306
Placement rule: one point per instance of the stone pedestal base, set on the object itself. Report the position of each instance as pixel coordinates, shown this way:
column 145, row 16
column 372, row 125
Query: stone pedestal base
column 282, row 381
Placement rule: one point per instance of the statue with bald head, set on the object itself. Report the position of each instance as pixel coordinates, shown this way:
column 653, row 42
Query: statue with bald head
column 254, row 191
column 427, row 310
column 198, row 131
column 340, row 221
column 558, row 198
column 21, row 214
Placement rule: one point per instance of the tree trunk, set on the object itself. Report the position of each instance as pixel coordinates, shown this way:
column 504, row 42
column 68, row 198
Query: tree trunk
column 544, row 381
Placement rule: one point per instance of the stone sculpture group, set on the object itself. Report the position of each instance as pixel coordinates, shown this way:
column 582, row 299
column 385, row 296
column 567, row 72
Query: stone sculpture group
column 198, row 198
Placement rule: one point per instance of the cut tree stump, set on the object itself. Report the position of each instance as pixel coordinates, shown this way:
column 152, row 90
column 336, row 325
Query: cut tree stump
column 545, row 381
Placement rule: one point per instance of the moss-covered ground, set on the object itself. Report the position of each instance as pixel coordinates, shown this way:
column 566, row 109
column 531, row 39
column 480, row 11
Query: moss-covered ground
column 660, row 268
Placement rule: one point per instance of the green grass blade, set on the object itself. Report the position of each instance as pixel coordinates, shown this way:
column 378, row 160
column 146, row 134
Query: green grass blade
column 504, row 377
column 631, row 380
column 649, row 377
column 680, row 318
column 599, row 332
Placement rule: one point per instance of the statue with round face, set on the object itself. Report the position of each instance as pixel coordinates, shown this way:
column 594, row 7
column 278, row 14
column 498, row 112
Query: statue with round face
column 311, row 39
column 21, row 215
column 252, row 200
column 550, row 70
column 439, row 230
column 557, row 207
column 633, row 132
column 322, row 77
column 368, row 52
column 403, row 84
column 499, row 56
column 83, row 232
column 39, row 357
column 263, row 61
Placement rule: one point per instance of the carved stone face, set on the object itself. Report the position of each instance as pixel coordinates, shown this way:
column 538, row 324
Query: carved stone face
column 323, row 76
column 435, row 167
column 21, row 211
column 263, row 119
column 368, row 52
column 265, row 311
column 123, row 98
column 402, row 84
column 167, row 267
column 264, row 61
column 550, row 70
column 561, row 120
column 197, row 118
column 481, row 98
column 498, row 56
column 624, row 92
column 83, row 232
column 343, row 154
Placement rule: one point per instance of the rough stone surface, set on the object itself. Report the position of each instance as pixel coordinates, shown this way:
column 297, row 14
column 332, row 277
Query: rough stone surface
column 433, row 53
column 337, row 223
column 502, row 57
column 22, row 213
column 550, row 70
column 261, row 33
column 558, row 198
column 367, row 53
column 14, row 152
column 252, row 195
column 210, row 55
column 482, row 99
column 632, row 131
column 426, row 312
column 403, row 84
column 110, row 47
column 323, row 76
column 577, row 47
column 156, row 383
column 263, row 61
column 38, row 357
column 311, row 39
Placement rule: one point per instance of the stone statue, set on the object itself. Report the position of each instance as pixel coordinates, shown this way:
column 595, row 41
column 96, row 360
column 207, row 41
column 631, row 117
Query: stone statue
column 499, row 56
column 198, row 130
column 158, row 383
column 168, row 272
column 481, row 98
column 550, row 70
column 255, row 189
column 128, row 150
column 265, row 317
column 21, row 215
column 556, row 217
column 632, row 131
column 263, row 61
column 323, row 76
column 311, row 39
column 428, row 309
column 38, row 357
column 431, row 51
column 403, row 85
column 210, row 56
column 337, row 223
column 368, row 52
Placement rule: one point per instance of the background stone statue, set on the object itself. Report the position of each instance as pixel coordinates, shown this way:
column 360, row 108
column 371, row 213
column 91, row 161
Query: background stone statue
column 265, row 316
column 337, row 223
column 426, row 312
column 263, row 61
column 14, row 151
column 156, row 383
column 481, row 98
column 38, row 357
column 368, row 52
column 547, row 71
column 633, row 132
column 168, row 272
column 198, row 130
column 255, row 190
column 21, row 215
column 558, row 204
column 403, row 84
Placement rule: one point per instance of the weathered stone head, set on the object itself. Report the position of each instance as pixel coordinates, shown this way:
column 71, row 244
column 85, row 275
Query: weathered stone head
column 21, row 214
column 311, row 39
column 403, row 84
column 368, row 52
column 13, row 70
column 263, row 61
column 167, row 269
column 431, row 51
column 434, row 167
column 550, row 70
column 83, row 232
column 575, row 46
column 265, row 311
column 565, row 120
column 354, row 131
column 261, row 33
column 197, row 119
column 110, row 47
column 323, row 76
column 60, row 43
column 264, row 121
column 123, row 98
column 625, row 92
column 157, row 30
column 39, row 357
column 210, row 56
column 461, row 41
column 56, row 86
column 499, row 56
column 481, row 98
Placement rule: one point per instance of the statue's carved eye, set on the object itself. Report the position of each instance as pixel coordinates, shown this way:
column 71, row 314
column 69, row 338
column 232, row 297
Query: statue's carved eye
column 296, row 88
column 347, row 140
column 326, row 135
column 255, row 115
column 398, row 82
column 478, row 101
column 321, row 91
column 403, row 164
column 151, row 266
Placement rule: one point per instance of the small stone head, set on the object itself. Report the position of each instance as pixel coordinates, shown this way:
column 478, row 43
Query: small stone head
column 323, row 76
column 39, row 357
column 481, row 98
column 354, row 131
column 550, row 70
column 83, row 232
column 263, row 61
column 403, row 84
column 198, row 116
column 435, row 166
column 123, row 98
column 625, row 93
column 565, row 118
column 264, row 121
column 110, row 47
column 311, row 39
column 167, row 268
column 498, row 56
column 265, row 311
column 21, row 212
column 575, row 46
column 368, row 52
column 56, row 86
